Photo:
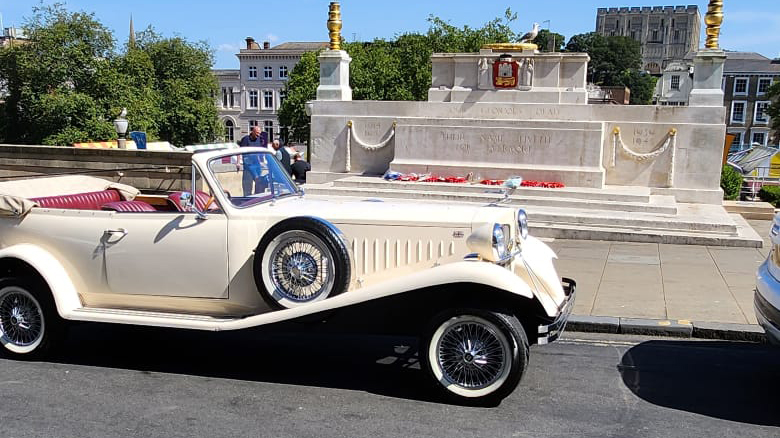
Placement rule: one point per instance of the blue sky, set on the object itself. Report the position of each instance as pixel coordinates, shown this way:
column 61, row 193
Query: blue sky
column 750, row 25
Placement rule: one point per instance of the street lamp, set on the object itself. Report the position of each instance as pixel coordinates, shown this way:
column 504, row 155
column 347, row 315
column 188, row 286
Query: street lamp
column 550, row 34
column 120, row 124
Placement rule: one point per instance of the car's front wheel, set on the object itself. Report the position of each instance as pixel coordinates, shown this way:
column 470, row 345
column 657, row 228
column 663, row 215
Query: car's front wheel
column 29, row 324
column 475, row 356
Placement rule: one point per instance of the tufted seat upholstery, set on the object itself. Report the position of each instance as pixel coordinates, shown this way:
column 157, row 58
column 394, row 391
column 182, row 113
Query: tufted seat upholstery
column 128, row 206
column 201, row 198
column 80, row 201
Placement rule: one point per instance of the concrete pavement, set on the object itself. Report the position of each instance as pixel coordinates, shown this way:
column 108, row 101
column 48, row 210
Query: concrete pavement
column 681, row 284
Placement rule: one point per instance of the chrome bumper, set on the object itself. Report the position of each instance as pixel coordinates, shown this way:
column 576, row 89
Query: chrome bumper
column 550, row 332
column 768, row 315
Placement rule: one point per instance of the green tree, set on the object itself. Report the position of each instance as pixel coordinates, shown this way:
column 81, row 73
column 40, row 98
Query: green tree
column 186, row 87
column 610, row 56
column 68, row 83
column 53, row 80
column 641, row 84
column 547, row 40
column 301, row 87
column 774, row 108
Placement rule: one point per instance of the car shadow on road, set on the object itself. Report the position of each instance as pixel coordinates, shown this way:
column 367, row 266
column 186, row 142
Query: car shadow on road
column 734, row 381
column 286, row 354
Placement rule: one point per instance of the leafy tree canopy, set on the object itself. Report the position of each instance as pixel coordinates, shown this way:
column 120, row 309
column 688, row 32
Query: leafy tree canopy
column 68, row 83
column 550, row 41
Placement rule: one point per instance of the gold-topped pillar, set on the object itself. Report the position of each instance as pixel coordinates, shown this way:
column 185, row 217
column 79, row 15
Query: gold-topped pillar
column 713, row 20
column 708, row 62
column 334, row 62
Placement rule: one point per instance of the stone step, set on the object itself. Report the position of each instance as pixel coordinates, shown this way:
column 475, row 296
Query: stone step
column 565, row 217
column 614, row 193
column 745, row 236
column 658, row 204
column 751, row 210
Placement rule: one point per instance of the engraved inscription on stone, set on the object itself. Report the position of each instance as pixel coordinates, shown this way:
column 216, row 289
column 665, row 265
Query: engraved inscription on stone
column 452, row 136
column 371, row 129
column 520, row 144
column 499, row 111
column 643, row 136
column 547, row 112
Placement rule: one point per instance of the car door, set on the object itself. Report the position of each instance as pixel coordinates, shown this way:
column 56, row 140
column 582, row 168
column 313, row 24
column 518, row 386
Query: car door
column 174, row 254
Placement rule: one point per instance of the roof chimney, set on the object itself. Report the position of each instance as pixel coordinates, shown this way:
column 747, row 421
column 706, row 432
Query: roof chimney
column 266, row 45
column 249, row 42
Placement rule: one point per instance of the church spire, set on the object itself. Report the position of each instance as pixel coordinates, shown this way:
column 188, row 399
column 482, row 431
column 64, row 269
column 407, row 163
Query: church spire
column 131, row 40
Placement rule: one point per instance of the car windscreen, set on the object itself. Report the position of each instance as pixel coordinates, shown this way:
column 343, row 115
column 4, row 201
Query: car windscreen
column 250, row 178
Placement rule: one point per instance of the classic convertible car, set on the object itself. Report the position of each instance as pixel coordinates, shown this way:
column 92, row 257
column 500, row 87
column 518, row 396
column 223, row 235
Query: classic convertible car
column 245, row 248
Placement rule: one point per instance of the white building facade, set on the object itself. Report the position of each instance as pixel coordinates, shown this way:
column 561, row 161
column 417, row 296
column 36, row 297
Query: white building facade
column 252, row 95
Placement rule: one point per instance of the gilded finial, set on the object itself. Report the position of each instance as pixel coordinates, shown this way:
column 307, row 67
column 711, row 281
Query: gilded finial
column 673, row 131
column 616, row 130
column 713, row 19
column 334, row 25
column 349, row 123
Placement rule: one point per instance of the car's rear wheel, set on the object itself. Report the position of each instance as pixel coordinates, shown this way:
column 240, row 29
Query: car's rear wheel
column 300, row 261
column 29, row 324
column 475, row 356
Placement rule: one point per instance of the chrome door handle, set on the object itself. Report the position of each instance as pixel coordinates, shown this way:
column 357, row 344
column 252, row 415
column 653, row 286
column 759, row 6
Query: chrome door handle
column 121, row 231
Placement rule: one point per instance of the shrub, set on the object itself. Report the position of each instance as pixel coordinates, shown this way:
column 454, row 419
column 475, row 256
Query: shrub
column 770, row 194
column 730, row 182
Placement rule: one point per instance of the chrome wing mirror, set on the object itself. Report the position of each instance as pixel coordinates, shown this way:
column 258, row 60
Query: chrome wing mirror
column 186, row 202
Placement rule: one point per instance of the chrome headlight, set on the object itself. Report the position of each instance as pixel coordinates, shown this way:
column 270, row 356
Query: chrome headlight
column 499, row 242
column 490, row 241
column 522, row 223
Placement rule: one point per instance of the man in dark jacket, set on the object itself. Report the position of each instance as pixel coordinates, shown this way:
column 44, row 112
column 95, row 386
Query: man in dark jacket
column 283, row 156
column 299, row 169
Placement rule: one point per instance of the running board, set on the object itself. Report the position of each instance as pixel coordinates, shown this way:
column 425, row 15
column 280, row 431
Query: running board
column 140, row 317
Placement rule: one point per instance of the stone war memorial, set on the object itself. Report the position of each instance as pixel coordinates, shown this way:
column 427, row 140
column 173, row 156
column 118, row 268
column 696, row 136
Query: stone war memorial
column 641, row 173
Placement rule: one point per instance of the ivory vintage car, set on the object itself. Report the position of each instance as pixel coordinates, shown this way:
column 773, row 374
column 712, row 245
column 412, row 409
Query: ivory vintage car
column 245, row 248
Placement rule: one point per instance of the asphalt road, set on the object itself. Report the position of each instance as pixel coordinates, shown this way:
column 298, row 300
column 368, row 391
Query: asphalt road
column 113, row 381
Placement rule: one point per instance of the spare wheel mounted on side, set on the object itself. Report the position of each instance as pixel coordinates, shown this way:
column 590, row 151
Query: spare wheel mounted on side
column 301, row 260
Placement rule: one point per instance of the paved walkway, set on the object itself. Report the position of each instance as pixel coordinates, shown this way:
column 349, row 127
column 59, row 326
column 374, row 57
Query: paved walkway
column 660, row 281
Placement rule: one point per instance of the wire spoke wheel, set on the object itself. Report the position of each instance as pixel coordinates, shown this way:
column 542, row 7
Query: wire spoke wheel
column 21, row 320
column 472, row 355
column 475, row 356
column 301, row 268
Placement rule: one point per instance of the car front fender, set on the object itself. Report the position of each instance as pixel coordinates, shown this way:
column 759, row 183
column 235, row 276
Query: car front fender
column 51, row 270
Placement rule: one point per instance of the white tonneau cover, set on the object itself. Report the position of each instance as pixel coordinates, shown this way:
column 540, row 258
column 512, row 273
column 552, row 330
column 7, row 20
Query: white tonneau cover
column 14, row 195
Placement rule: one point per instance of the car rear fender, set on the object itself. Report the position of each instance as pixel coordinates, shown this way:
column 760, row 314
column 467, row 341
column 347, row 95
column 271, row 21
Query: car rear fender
column 52, row 272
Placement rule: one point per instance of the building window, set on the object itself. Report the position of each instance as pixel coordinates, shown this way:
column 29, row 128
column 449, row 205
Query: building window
column 759, row 137
column 655, row 37
column 764, row 84
column 283, row 72
column 224, row 97
column 676, row 36
column 738, row 112
column 229, row 136
column 268, row 72
column 740, row 86
column 231, row 101
column 760, row 115
column 252, row 99
column 737, row 142
column 268, row 127
column 268, row 99
column 252, row 72
column 675, row 82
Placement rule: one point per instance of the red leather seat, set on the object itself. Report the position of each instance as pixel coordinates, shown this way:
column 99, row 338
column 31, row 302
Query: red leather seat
column 201, row 198
column 80, row 201
column 129, row 206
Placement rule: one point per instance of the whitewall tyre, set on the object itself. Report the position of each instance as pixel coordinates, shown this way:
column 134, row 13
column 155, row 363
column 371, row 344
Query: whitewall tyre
column 474, row 356
column 301, row 261
column 29, row 324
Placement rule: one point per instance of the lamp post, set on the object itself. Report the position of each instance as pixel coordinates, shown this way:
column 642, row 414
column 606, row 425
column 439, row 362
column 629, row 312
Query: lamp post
column 550, row 47
column 120, row 124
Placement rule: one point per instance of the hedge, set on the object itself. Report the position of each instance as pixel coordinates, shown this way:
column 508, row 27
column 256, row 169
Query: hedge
column 730, row 182
column 770, row 194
